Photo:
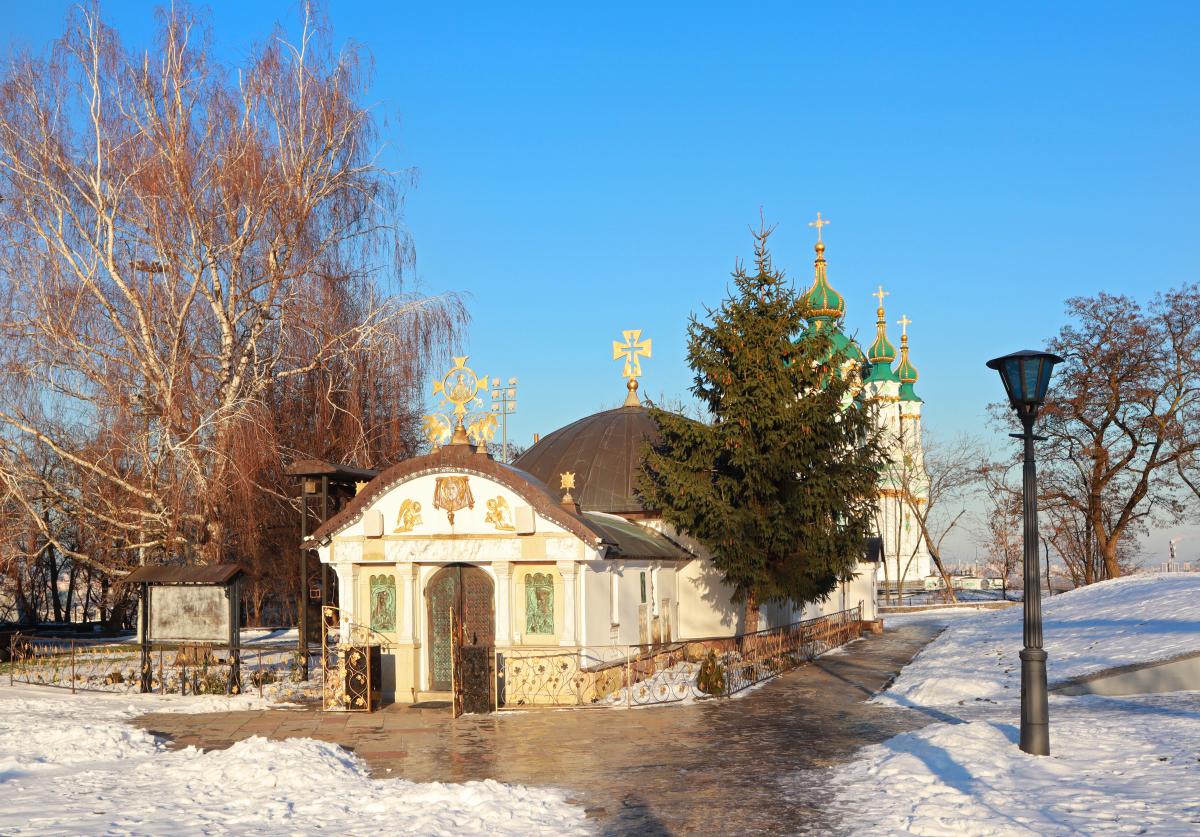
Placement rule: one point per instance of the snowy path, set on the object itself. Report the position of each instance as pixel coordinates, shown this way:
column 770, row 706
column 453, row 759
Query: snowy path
column 71, row 765
column 1118, row 765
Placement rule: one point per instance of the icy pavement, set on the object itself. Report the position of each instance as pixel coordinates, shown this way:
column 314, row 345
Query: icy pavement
column 1126, row 765
column 71, row 765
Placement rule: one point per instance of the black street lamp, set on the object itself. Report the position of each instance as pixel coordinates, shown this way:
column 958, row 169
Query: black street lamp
column 1026, row 377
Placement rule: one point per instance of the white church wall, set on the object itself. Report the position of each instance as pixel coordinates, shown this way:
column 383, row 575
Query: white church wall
column 706, row 608
column 600, row 628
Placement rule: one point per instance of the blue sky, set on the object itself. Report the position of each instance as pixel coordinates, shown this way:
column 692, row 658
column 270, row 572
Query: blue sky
column 586, row 169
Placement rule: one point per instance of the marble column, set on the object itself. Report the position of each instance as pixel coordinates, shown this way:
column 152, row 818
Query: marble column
column 347, row 597
column 569, row 575
column 408, row 614
column 503, row 570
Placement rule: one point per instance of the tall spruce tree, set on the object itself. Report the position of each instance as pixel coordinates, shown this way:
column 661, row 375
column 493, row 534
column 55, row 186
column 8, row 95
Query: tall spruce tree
column 780, row 484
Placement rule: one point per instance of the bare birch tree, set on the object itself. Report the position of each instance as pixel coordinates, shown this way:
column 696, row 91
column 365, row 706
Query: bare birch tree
column 186, row 250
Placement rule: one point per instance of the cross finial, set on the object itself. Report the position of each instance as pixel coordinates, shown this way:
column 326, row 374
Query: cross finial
column 880, row 294
column 632, row 350
column 904, row 322
column 818, row 224
column 458, row 387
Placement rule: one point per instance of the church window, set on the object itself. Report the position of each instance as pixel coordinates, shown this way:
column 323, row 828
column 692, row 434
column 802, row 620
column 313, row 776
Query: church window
column 383, row 602
column 539, row 603
column 643, row 576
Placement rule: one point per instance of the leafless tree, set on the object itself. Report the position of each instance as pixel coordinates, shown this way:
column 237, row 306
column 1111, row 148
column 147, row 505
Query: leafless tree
column 199, row 278
column 936, row 492
column 1005, row 544
column 1122, row 424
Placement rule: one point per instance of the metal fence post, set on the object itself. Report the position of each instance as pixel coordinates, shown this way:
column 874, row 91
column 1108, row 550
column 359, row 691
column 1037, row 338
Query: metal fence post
column 72, row 666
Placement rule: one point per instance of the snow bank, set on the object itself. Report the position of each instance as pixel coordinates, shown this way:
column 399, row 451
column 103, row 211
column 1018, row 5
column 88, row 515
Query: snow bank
column 1115, row 623
column 1117, row 765
column 1124, row 765
column 70, row 764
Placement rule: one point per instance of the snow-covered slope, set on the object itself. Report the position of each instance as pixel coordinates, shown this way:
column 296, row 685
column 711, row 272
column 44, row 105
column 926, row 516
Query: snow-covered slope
column 1126, row 765
column 70, row 765
column 1117, row 766
column 1128, row 620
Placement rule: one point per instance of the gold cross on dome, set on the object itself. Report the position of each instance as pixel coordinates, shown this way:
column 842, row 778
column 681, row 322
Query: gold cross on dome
column 818, row 224
column 880, row 294
column 566, row 480
column 904, row 322
column 633, row 349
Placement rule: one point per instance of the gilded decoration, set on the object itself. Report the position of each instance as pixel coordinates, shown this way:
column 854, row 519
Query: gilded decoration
column 409, row 517
column 383, row 602
column 631, row 352
column 458, row 387
column 539, row 603
column 500, row 515
column 452, row 494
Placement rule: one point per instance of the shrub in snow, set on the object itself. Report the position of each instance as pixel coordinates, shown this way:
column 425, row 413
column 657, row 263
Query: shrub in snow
column 711, row 679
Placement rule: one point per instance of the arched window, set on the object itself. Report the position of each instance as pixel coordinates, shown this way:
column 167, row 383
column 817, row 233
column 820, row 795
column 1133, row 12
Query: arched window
column 539, row 603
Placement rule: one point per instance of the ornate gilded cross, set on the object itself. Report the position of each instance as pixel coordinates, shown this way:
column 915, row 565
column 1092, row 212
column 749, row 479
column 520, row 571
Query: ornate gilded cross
column 460, row 386
column 566, row 483
column 904, row 322
column 880, row 294
column 818, row 224
column 632, row 350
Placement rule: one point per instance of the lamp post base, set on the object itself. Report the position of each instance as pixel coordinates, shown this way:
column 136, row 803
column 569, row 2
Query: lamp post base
column 1035, row 711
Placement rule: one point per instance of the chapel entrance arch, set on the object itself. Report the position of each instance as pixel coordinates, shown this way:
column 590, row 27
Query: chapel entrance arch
column 462, row 635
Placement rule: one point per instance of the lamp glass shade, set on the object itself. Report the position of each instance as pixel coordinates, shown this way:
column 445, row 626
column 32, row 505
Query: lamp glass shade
column 1026, row 376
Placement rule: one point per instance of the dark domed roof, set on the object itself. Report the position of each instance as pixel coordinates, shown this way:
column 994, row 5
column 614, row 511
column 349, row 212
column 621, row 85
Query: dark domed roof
column 604, row 453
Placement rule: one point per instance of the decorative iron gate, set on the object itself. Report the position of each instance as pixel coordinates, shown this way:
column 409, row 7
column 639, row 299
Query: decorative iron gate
column 351, row 664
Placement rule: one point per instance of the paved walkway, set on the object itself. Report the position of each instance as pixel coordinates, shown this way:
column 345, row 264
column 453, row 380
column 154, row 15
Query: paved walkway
column 746, row 766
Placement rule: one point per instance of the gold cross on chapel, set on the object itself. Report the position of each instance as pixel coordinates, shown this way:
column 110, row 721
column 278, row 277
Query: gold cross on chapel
column 818, row 224
column 904, row 322
column 880, row 294
column 632, row 350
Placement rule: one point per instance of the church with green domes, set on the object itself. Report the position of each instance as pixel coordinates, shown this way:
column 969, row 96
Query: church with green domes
column 891, row 386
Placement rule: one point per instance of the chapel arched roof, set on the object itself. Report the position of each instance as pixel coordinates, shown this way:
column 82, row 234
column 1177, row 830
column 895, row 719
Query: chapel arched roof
column 604, row 453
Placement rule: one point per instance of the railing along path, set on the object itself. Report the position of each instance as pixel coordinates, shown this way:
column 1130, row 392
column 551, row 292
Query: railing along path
column 677, row 671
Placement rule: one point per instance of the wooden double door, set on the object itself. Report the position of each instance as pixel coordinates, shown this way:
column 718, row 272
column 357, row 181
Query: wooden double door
column 462, row 636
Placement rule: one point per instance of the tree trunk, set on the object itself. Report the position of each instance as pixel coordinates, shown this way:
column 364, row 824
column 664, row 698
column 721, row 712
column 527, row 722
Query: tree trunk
column 751, row 612
column 937, row 562
column 1111, row 568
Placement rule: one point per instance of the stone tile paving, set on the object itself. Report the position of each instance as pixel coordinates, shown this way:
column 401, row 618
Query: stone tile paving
column 752, row 765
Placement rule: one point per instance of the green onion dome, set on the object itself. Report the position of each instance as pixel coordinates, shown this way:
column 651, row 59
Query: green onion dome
column 824, row 301
column 906, row 372
column 882, row 350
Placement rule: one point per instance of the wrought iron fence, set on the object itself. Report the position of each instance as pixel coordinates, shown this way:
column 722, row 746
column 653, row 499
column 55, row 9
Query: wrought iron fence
column 170, row 668
column 677, row 671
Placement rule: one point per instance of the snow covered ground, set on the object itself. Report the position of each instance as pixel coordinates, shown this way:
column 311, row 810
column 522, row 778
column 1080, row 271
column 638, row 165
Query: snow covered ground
column 69, row 764
column 1133, row 619
column 1118, row 765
